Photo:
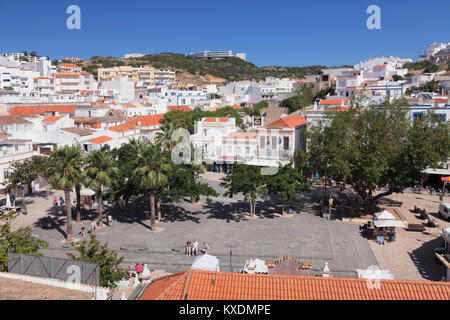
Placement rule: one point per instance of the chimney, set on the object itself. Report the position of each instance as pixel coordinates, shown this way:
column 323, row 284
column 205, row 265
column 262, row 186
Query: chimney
column 421, row 100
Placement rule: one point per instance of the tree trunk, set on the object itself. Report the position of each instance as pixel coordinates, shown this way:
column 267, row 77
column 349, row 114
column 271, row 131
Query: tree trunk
column 283, row 212
column 69, row 215
column 152, row 210
column 78, row 205
column 251, row 207
column 47, row 189
column 100, row 208
column 158, row 208
column 30, row 188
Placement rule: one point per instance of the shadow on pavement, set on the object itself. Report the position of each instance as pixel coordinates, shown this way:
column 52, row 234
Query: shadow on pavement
column 425, row 260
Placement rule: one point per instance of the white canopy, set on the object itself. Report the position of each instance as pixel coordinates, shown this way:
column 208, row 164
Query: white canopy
column 389, row 223
column 374, row 274
column 384, row 215
column 256, row 266
column 206, row 262
column 445, row 234
column 87, row 192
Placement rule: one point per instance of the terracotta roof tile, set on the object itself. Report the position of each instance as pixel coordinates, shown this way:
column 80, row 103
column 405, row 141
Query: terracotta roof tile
column 289, row 121
column 100, row 140
column 216, row 120
column 52, row 118
column 333, row 101
column 41, row 109
column 197, row 285
column 146, row 121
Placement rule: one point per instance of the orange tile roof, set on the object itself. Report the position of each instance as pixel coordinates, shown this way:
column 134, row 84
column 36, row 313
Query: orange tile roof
column 68, row 65
column 182, row 108
column 207, row 285
column 237, row 107
column 215, row 120
column 242, row 135
column 146, row 121
column 43, row 78
column 380, row 65
column 333, row 101
column 100, row 140
column 120, row 128
column 67, row 74
column 289, row 121
column 52, row 118
column 441, row 100
column 40, row 109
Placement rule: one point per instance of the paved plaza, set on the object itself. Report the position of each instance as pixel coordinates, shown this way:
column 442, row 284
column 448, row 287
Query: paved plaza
column 304, row 235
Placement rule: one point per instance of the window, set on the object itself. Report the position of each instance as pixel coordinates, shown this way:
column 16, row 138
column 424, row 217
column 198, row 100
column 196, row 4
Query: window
column 286, row 143
column 417, row 115
column 274, row 143
column 205, row 132
column 438, row 117
column 262, row 142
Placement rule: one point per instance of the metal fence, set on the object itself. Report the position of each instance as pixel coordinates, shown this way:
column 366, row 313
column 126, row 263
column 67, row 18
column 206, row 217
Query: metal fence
column 54, row 268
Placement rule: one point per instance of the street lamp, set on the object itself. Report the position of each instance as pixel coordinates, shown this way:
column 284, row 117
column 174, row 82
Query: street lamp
column 230, row 245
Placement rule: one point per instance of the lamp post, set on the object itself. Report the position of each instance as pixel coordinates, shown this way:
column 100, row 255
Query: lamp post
column 230, row 245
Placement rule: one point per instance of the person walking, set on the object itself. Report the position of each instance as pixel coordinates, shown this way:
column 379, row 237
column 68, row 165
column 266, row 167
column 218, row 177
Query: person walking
column 61, row 201
column 93, row 227
column 139, row 269
column 83, row 228
column 205, row 247
column 110, row 220
column 195, row 247
column 188, row 248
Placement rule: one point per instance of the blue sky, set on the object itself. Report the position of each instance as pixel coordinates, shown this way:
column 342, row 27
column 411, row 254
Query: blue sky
column 275, row 32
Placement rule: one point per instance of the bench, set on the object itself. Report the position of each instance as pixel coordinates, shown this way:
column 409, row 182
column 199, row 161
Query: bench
column 415, row 227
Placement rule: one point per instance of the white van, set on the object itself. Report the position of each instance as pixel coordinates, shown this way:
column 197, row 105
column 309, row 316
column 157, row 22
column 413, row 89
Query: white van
column 444, row 210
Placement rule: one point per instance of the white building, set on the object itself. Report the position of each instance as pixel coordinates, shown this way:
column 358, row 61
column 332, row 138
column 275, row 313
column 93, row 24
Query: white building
column 433, row 49
column 122, row 85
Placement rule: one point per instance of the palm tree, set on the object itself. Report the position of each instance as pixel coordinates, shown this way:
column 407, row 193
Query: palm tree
column 66, row 168
column 151, row 174
column 164, row 138
column 101, row 172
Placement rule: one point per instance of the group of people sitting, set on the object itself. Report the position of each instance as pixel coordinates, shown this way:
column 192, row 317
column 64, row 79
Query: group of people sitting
column 192, row 248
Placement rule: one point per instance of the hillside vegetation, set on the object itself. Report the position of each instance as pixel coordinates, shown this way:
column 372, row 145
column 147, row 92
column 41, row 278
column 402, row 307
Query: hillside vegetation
column 231, row 69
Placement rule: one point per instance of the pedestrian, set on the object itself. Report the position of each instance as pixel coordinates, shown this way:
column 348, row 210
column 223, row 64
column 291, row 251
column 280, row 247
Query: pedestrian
column 205, row 247
column 382, row 238
column 110, row 220
column 195, row 247
column 187, row 251
column 54, row 201
column 93, row 227
column 61, row 201
column 83, row 228
column 139, row 269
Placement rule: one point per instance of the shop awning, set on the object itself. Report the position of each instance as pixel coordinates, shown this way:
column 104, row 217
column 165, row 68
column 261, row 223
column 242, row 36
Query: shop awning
column 389, row 223
column 384, row 215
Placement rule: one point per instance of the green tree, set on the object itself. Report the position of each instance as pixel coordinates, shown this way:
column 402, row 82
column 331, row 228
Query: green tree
column 286, row 183
column 100, row 173
column 304, row 98
column 246, row 180
column 431, row 86
column 43, row 167
column 107, row 260
column 380, row 147
column 67, row 171
column 151, row 174
column 23, row 172
column 19, row 241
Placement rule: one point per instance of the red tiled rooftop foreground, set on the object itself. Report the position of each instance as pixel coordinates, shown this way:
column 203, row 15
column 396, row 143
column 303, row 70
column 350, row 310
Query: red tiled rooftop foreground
column 205, row 285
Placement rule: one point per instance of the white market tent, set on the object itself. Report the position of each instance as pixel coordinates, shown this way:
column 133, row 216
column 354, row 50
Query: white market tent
column 87, row 192
column 374, row 274
column 445, row 234
column 384, row 215
column 389, row 223
column 255, row 266
column 206, row 262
